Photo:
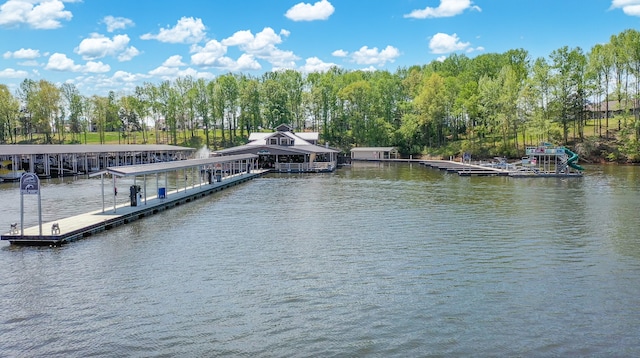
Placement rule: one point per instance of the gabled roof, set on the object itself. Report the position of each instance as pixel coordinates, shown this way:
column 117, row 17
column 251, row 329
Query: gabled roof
column 262, row 140
column 284, row 128
column 305, row 136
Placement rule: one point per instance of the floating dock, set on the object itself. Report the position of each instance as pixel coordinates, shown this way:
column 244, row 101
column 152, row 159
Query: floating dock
column 464, row 169
column 543, row 161
column 222, row 172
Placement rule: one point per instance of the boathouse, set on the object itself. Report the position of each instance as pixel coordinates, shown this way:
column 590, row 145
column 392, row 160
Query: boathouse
column 374, row 153
column 50, row 160
column 284, row 151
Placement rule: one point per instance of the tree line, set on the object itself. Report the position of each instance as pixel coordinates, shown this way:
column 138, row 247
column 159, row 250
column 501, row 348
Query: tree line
column 495, row 101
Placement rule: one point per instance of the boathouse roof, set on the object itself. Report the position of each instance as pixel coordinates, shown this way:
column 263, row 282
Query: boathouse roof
column 34, row 149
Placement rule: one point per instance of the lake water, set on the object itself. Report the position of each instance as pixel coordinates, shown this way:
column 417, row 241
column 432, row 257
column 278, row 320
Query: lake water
column 372, row 260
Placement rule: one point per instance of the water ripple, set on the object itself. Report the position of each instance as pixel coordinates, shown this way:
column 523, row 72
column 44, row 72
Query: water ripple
column 375, row 260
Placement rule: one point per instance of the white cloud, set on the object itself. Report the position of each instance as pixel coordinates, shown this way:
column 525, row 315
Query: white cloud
column 187, row 30
column 120, row 81
column 629, row 7
column 96, row 67
column 23, row 54
column 117, row 23
column 263, row 46
column 128, row 54
column 443, row 43
column 371, row 56
column 123, row 76
column 321, row 10
column 171, row 73
column 246, row 63
column 209, row 54
column 314, row 64
column 260, row 44
column 340, row 53
column 165, row 72
column 60, row 62
column 447, row 8
column 99, row 46
column 174, row 61
column 29, row 63
column 11, row 73
column 36, row 14
column 213, row 55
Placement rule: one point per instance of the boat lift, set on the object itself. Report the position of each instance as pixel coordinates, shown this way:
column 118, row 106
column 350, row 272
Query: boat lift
column 549, row 160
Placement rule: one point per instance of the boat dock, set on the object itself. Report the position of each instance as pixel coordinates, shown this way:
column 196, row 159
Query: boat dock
column 215, row 174
column 464, row 169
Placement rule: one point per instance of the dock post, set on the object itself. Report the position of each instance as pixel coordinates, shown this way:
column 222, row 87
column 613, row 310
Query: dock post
column 115, row 192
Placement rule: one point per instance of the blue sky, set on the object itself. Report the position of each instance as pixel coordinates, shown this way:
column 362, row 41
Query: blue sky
column 103, row 45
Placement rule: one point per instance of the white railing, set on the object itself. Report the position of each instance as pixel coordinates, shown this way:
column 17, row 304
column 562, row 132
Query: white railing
column 304, row 167
column 322, row 166
column 291, row 167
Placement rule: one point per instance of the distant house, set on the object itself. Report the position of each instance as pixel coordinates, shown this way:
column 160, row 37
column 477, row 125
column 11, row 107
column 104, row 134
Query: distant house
column 599, row 110
column 286, row 151
column 374, row 153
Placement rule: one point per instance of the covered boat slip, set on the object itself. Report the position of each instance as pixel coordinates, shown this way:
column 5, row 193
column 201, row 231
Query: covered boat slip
column 193, row 179
column 48, row 160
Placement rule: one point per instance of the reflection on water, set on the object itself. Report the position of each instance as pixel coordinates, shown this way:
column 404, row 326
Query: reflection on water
column 375, row 259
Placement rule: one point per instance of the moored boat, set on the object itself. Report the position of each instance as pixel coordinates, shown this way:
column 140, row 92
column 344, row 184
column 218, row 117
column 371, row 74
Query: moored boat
column 7, row 171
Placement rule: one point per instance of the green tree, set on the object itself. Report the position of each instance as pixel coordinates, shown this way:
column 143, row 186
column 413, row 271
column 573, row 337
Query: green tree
column 275, row 101
column 45, row 108
column 129, row 115
column 250, row 105
column 431, row 104
column 356, row 97
column 27, row 96
column 9, row 114
column 74, row 103
column 202, row 106
column 98, row 112
column 565, row 85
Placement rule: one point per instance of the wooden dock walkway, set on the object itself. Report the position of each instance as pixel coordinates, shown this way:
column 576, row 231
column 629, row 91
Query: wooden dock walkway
column 84, row 225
